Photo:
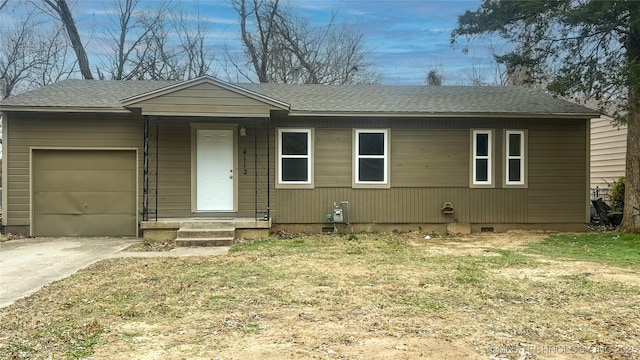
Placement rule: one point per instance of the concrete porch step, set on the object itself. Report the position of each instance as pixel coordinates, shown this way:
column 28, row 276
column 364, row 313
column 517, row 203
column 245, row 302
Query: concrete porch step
column 196, row 234
column 207, row 224
column 188, row 233
column 187, row 242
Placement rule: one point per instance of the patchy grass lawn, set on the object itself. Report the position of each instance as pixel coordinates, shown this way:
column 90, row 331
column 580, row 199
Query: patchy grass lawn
column 360, row 297
column 610, row 248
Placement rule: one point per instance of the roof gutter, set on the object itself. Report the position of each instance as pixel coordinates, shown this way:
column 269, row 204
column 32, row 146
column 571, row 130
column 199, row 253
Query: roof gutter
column 400, row 114
column 63, row 109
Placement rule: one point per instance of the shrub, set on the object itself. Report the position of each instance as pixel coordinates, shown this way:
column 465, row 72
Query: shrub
column 616, row 194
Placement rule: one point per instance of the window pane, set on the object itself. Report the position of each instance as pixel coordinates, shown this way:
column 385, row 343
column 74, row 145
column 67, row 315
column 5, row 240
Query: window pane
column 371, row 170
column 294, row 143
column 294, row 170
column 371, row 144
column 482, row 170
column 514, row 170
column 514, row 144
column 482, row 144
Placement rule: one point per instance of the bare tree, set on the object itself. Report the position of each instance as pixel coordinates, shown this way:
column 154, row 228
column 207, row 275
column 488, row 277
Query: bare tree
column 328, row 54
column 257, row 43
column 281, row 46
column 128, row 33
column 162, row 42
column 17, row 56
column 32, row 53
column 58, row 62
column 63, row 12
column 434, row 77
column 196, row 58
column 156, row 59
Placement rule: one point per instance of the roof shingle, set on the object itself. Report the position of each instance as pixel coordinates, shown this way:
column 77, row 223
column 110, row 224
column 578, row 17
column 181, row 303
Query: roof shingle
column 323, row 98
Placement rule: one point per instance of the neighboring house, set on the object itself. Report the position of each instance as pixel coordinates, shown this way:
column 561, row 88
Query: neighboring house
column 87, row 157
column 608, row 152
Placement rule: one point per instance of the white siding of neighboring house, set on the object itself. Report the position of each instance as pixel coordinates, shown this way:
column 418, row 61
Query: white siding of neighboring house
column 608, row 150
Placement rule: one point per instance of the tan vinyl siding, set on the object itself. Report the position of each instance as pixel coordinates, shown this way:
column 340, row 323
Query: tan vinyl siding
column 418, row 157
column 430, row 165
column 174, row 167
column 260, row 170
column 333, row 160
column 608, row 152
column 557, row 172
column 110, row 131
column 59, row 130
column 204, row 99
column 434, row 158
column 405, row 205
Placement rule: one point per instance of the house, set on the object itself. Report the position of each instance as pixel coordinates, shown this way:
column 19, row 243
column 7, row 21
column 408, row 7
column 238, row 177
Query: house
column 608, row 153
column 87, row 157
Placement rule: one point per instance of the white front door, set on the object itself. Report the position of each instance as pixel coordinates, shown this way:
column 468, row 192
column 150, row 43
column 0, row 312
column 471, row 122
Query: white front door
column 214, row 168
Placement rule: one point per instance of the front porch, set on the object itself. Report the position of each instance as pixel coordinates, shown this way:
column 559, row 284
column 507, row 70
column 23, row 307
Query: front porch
column 206, row 163
column 201, row 231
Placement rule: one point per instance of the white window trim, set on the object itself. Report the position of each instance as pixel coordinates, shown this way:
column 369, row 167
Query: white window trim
column 521, row 157
column 488, row 157
column 309, row 182
column 356, row 157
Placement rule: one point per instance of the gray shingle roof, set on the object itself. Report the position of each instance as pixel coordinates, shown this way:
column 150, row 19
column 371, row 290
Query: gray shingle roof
column 419, row 99
column 75, row 93
column 323, row 98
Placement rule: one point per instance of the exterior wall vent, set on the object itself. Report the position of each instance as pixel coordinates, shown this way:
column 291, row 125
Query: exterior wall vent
column 447, row 208
column 327, row 229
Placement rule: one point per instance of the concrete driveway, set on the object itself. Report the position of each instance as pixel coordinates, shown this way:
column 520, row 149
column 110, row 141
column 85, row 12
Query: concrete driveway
column 26, row 265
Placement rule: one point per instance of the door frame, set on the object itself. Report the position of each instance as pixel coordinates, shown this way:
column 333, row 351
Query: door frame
column 194, row 171
column 32, row 149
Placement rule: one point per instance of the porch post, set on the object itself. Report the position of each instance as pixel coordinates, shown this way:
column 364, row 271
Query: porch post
column 150, row 168
column 268, row 214
column 145, row 171
column 155, row 208
column 255, row 167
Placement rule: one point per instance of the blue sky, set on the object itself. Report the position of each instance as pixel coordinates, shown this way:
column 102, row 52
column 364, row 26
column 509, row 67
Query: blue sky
column 406, row 38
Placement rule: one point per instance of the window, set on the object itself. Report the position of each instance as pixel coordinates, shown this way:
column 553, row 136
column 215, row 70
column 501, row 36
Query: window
column 514, row 162
column 482, row 152
column 371, row 149
column 294, row 156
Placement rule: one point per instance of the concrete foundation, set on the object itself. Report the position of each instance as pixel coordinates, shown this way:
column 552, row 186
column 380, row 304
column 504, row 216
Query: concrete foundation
column 22, row 230
column 159, row 235
column 359, row 228
column 252, row 233
column 167, row 229
column 450, row 228
column 458, row 228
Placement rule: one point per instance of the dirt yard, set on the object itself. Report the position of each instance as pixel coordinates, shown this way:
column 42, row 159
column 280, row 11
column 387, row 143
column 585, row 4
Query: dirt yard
column 397, row 296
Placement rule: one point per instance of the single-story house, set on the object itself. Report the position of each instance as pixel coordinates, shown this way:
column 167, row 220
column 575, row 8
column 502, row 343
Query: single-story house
column 608, row 153
column 89, row 157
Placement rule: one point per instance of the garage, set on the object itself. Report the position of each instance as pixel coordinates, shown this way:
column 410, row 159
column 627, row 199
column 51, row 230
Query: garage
column 84, row 192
